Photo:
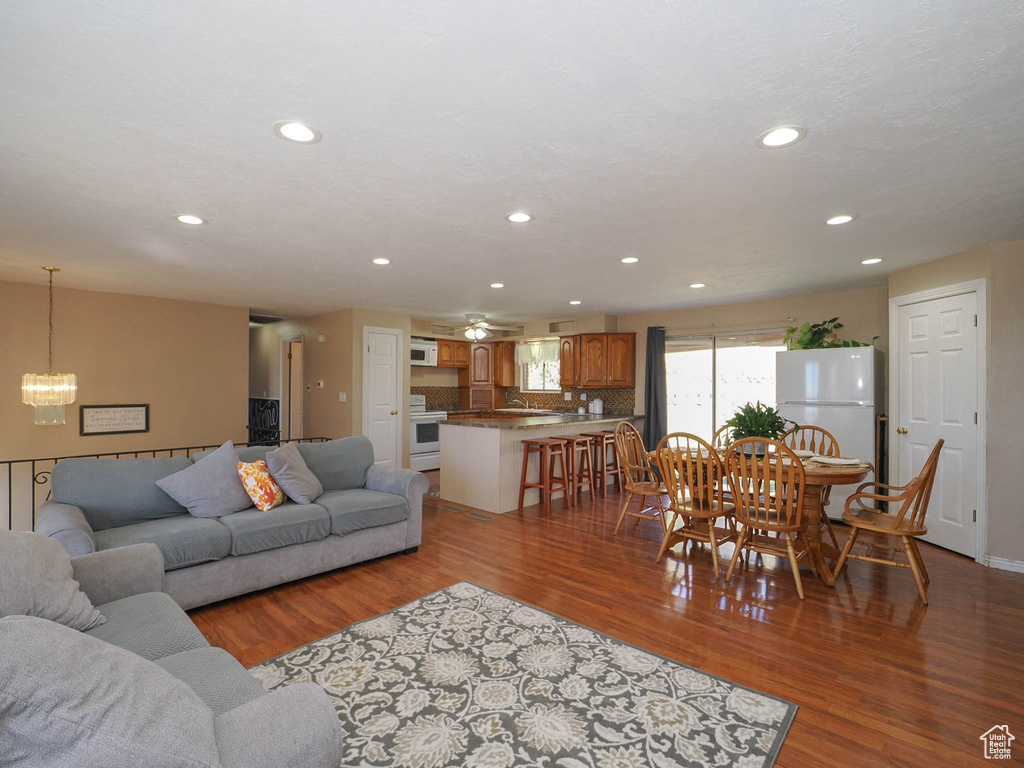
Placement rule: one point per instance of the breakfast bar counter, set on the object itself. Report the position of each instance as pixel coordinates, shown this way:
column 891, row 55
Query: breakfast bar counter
column 482, row 454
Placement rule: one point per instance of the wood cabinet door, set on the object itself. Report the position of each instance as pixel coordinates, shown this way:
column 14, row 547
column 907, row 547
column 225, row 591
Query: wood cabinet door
column 593, row 359
column 445, row 352
column 480, row 371
column 481, row 398
column 567, row 364
column 505, row 364
column 460, row 353
column 621, row 360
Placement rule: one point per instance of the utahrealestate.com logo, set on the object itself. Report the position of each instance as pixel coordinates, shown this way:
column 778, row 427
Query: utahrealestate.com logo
column 997, row 742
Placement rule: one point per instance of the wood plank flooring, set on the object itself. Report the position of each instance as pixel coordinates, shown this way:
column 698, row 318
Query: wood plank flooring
column 881, row 680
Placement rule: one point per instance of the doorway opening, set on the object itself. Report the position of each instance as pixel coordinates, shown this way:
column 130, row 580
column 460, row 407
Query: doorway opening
column 291, row 389
column 710, row 377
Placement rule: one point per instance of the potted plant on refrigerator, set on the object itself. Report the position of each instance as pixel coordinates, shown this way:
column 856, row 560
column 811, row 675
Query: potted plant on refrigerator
column 758, row 421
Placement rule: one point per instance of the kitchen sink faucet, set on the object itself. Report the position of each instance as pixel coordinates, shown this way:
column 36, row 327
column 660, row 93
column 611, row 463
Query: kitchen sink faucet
column 514, row 400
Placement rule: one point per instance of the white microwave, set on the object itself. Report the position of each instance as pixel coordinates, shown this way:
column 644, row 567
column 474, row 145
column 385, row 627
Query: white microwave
column 423, row 352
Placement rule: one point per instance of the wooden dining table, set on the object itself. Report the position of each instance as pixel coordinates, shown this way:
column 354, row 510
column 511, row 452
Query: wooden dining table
column 817, row 477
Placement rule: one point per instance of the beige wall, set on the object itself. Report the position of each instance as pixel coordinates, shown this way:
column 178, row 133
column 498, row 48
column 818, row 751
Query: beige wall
column 424, row 376
column 187, row 360
column 864, row 312
column 1002, row 264
column 337, row 361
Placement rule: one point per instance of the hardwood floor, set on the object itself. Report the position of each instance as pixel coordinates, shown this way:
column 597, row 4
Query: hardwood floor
column 881, row 680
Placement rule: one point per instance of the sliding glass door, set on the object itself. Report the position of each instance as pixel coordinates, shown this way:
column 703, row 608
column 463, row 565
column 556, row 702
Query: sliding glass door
column 710, row 377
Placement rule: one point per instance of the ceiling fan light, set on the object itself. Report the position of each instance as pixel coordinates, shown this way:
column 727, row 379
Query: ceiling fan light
column 470, row 333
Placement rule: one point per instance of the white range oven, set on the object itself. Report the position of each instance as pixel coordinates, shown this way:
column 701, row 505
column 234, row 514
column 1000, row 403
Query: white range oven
column 425, row 434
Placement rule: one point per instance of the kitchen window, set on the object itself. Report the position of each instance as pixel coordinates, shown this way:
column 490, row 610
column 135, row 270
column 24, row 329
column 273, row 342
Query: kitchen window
column 539, row 361
column 710, row 377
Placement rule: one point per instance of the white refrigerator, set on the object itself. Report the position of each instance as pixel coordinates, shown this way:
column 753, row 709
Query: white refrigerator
column 839, row 390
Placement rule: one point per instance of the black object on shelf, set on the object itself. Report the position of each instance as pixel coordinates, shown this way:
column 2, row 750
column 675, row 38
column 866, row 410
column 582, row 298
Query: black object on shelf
column 264, row 421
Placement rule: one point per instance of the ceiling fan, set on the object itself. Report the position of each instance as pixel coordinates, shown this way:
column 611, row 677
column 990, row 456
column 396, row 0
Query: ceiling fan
column 479, row 328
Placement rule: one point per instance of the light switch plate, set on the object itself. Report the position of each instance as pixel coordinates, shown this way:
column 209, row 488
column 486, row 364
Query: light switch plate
column 583, row 396
column 342, row 397
column 320, row 384
column 568, row 396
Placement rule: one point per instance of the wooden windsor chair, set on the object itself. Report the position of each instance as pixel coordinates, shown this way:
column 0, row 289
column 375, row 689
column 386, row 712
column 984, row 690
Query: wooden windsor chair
column 639, row 478
column 907, row 523
column 694, row 477
column 722, row 438
column 768, row 491
column 822, row 442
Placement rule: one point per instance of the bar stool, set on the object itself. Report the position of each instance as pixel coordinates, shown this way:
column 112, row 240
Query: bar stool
column 605, row 460
column 548, row 452
column 581, row 466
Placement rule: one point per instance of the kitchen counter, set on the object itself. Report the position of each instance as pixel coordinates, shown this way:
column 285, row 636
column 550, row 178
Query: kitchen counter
column 514, row 421
column 482, row 458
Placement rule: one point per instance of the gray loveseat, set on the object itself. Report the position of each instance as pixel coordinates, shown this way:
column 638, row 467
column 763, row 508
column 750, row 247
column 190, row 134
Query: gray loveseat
column 68, row 698
column 366, row 511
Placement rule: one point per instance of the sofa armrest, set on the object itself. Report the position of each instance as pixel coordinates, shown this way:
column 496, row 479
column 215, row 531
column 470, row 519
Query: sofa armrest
column 120, row 572
column 68, row 525
column 292, row 727
column 403, row 482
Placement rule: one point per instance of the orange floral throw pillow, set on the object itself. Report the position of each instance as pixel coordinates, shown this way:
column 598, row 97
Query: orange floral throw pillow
column 264, row 492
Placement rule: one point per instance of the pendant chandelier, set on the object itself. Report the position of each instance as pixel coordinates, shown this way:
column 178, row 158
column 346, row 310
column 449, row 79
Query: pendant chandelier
column 48, row 393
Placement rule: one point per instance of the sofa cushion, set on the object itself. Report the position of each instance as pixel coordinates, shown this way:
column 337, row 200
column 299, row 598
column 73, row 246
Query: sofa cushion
column 36, row 579
column 67, row 699
column 289, row 471
column 183, row 540
column 215, row 676
column 339, row 465
column 211, row 487
column 115, row 492
column 359, row 508
column 149, row 624
column 255, row 530
column 244, row 453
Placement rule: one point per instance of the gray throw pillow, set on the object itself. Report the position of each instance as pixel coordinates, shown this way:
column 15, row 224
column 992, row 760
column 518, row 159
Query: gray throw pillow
column 68, row 699
column 36, row 580
column 211, row 487
column 289, row 471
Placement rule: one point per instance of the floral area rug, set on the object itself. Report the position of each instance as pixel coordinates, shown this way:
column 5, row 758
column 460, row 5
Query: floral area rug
column 469, row 677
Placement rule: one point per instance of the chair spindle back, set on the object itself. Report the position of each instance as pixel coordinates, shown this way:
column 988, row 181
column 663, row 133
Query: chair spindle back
column 768, row 492
column 691, row 467
column 811, row 438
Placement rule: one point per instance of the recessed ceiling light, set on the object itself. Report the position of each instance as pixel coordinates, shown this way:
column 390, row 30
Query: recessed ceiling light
column 497, row 285
column 871, row 261
column 782, row 136
column 842, row 218
column 519, row 217
column 297, row 132
column 630, row 260
column 188, row 218
column 382, row 261
column 575, row 301
column 697, row 285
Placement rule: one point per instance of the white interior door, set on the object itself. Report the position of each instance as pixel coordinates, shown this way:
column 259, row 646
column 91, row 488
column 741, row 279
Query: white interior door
column 382, row 393
column 937, row 397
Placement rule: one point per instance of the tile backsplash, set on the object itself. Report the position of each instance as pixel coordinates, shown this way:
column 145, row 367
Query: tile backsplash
column 615, row 400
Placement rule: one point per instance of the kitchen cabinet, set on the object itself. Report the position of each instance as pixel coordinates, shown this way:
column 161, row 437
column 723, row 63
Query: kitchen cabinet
column 598, row 360
column 620, row 369
column 505, row 364
column 478, row 381
column 452, row 354
column 481, row 372
column 568, row 361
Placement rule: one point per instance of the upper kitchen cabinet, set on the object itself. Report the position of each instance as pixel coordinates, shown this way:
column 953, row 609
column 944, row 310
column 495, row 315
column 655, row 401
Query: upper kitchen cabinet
column 504, row 363
column 481, row 372
column 621, row 368
column 452, row 354
column 568, row 361
column 600, row 360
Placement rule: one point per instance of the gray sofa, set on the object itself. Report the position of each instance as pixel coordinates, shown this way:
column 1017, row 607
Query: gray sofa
column 66, row 698
column 365, row 512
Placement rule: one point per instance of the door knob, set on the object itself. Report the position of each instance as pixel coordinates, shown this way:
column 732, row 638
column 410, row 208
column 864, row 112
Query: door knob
column 901, row 431
column 395, row 413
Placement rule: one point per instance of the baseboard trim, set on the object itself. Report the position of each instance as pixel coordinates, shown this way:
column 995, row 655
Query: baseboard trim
column 1017, row 566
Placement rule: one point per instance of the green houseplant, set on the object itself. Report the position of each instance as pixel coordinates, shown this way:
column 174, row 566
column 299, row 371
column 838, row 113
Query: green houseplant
column 820, row 336
column 758, row 421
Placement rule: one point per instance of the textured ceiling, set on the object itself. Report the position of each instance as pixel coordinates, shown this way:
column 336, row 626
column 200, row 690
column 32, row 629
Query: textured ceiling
column 625, row 127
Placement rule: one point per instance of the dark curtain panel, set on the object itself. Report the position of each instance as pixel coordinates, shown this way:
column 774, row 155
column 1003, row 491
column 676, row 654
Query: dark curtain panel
column 655, row 389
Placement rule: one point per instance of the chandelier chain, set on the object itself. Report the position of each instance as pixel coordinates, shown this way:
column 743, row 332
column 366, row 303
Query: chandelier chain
column 49, row 365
